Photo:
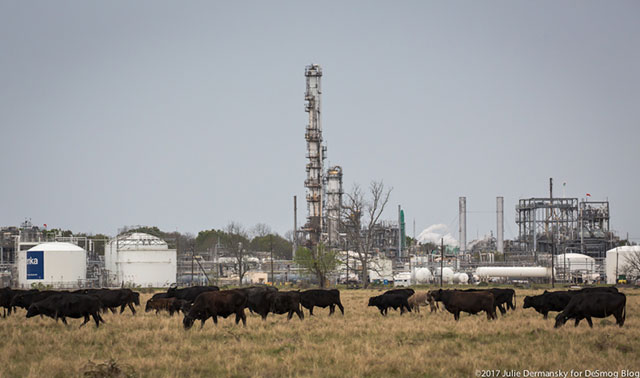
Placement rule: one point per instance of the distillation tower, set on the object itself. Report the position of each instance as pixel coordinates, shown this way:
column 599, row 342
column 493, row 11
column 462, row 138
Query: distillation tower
column 334, row 205
column 316, row 155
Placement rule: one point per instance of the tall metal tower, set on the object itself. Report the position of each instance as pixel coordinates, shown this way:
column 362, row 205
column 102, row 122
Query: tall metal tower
column 334, row 205
column 316, row 155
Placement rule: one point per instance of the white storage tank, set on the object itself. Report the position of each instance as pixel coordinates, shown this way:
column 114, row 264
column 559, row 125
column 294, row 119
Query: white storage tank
column 461, row 278
column 60, row 265
column 616, row 262
column 423, row 275
column 513, row 272
column 447, row 275
column 140, row 259
column 575, row 262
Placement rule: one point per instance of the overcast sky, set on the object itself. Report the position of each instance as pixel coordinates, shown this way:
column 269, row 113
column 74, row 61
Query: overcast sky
column 188, row 115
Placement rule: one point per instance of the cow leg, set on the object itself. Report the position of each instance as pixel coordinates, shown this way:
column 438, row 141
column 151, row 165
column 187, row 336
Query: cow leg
column 456, row 315
column 300, row 314
column 290, row 315
column 96, row 318
column 264, row 316
column 113, row 310
column 122, row 308
column 64, row 320
column 332, row 309
column 215, row 319
column 241, row 316
column 502, row 310
column 341, row 308
column 86, row 320
column 382, row 312
column 545, row 314
column 133, row 309
column 577, row 321
column 311, row 310
column 589, row 321
column 99, row 317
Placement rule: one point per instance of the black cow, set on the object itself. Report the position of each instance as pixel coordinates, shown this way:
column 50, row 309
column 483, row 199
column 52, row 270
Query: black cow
column 26, row 299
column 61, row 306
column 189, row 293
column 257, row 299
column 548, row 301
column 160, row 295
column 6, row 296
column 283, row 302
column 598, row 289
column 465, row 301
column 321, row 298
column 506, row 297
column 406, row 292
column 395, row 301
column 594, row 305
column 217, row 303
column 112, row 299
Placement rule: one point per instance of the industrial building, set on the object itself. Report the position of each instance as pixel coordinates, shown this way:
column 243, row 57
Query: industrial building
column 139, row 259
column 56, row 264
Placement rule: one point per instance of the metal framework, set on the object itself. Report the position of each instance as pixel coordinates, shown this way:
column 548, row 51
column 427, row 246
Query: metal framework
column 334, row 205
column 566, row 223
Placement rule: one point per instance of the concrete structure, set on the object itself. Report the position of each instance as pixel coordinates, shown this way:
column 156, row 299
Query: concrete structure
column 61, row 265
column 140, row 259
column 617, row 263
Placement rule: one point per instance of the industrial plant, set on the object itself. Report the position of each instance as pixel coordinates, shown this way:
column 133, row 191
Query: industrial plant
column 558, row 239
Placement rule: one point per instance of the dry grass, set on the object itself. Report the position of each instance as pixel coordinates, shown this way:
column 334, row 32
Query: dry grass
column 362, row 343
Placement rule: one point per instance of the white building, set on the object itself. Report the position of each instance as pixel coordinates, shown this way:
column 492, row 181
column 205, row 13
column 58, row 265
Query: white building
column 140, row 259
column 61, row 265
column 617, row 264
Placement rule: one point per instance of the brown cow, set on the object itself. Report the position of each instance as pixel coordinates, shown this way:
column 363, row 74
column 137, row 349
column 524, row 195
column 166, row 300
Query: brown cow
column 419, row 298
column 470, row 302
column 433, row 304
column 164, row 304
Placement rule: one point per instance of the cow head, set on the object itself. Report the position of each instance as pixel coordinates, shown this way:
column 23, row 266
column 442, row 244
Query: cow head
column 136, row 298
column 528, row 302
column 148, row 307
column 187, row 322
column 560, row 320
column 33, row 311
column 372, row 301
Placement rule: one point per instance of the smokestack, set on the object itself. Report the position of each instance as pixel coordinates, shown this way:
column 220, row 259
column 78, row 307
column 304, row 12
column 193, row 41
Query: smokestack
column 463, row 224
column 500, row 220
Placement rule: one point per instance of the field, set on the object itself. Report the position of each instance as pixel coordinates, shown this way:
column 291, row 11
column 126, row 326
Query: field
column 362, row 343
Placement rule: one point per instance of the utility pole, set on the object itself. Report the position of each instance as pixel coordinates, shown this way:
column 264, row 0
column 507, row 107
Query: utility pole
column 295, row 225
column 271, row 248
column 441, row 260
column 553, row 242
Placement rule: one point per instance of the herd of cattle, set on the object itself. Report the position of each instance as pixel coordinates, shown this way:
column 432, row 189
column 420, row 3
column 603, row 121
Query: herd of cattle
column 204, row 302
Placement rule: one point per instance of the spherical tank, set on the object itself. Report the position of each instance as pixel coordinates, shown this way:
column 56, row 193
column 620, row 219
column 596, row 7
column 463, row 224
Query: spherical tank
column 447, row 274
column 61, row 265
column 461, row 278
column 423, row 275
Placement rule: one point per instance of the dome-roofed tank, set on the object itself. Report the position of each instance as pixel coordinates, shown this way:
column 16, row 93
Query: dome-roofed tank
column 140, row 259
column 58, row 264
column 575, row 262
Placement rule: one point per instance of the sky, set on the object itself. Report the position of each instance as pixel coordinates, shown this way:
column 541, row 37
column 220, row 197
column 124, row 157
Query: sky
column 189, row 115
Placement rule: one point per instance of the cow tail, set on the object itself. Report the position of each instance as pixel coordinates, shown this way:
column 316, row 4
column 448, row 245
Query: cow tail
column 624, row 311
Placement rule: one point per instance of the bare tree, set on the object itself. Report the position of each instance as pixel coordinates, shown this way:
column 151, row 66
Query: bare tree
column 237, row 244
column 631, row 265
column 359, row 218
column 260, row 230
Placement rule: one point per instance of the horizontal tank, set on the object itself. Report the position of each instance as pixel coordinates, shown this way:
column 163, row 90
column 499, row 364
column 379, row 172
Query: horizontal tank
column 513, row 271
column 447, row 274
column 422, row 275
column 461, row 278
column 60, row 265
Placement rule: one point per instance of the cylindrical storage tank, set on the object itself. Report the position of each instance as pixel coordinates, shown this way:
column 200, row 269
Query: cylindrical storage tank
column 513, row 271
column 423, row 275
column 461, row 278
column 60, row 265
column 447, row 275
column 616, row 262
column 575, row 262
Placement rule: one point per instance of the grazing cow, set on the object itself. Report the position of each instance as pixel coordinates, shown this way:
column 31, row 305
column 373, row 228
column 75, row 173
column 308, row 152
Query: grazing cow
column 466, row 301
column 594, row 305
column 112, row 299
column 283, row 302
column 61, row 306
column 548, row 301
column 6, row 296
column 170, row 305
column 406, row 292
column 217, row 303
column 395, row 301
column 501, row 297
column 418, row 299
column 257, row 299
column 601, row 289
column 321, row 298
column 433, row 304
column 189, row 293
column 26, row 299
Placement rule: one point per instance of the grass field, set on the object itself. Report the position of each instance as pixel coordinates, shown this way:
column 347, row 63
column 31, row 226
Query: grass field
column 362, row 343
